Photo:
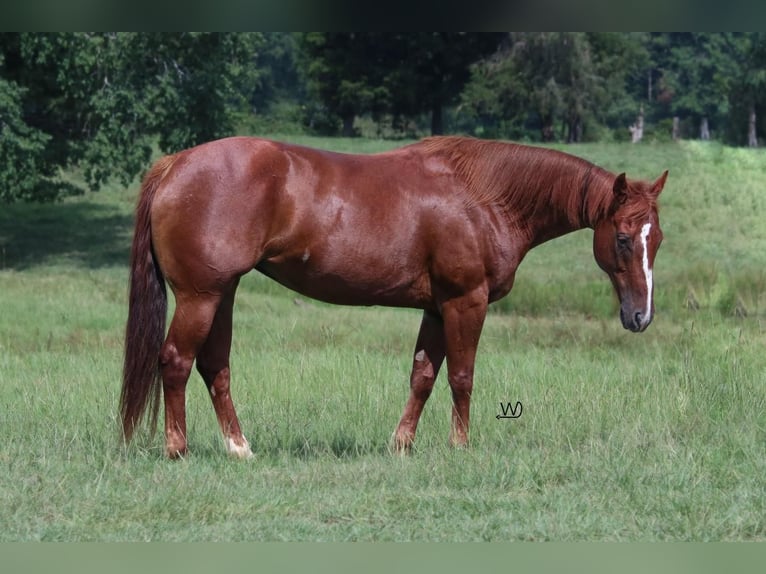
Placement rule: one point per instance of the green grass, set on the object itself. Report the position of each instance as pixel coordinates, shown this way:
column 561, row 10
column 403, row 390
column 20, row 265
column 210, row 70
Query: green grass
column 658, row 436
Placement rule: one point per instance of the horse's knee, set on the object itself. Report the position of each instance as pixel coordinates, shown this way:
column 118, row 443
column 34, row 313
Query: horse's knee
column 174, row 368
column 461, row 382
column 422, row 379
column 422, row 388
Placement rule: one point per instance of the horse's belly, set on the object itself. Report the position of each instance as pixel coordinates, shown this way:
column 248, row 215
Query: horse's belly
column 361, row 284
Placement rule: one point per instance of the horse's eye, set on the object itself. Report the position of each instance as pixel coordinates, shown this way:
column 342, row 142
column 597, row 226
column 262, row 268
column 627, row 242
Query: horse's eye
column 623, row 241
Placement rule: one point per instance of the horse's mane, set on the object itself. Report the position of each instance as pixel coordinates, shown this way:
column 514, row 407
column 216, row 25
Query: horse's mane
column 526, row 178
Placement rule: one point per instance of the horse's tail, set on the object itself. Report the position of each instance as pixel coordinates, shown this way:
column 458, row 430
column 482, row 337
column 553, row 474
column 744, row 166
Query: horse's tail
column 147, row 309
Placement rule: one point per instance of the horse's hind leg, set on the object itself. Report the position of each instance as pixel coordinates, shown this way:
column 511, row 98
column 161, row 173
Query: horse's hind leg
column 428, row 358
column 463, row 322
column 213, row 365
column 188, row 330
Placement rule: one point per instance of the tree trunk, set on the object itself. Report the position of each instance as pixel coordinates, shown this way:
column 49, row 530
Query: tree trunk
column 437, row 120
column 676, row 134
column 637, row 129
column 348, row 126
column 752, row 138
column 574, row 131
column 547, row 130
column 649, row 85
column 704, row 130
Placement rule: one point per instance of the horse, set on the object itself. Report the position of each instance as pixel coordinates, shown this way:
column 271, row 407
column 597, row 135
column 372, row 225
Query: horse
column 440, row 225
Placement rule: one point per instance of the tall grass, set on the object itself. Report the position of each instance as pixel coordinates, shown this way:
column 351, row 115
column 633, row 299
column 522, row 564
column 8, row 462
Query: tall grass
column 658, row 436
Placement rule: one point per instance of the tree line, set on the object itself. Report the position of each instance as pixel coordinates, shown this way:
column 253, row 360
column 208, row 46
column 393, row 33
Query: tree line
column 99, row 103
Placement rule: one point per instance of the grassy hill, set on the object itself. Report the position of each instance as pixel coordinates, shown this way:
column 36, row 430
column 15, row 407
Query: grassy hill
column 658, row 436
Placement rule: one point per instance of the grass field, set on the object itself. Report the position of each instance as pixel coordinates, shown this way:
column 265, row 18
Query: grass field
column 658, row 436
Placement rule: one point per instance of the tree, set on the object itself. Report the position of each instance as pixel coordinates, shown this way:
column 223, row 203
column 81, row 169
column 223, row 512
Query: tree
column 345, row 72
column 496, row 96
column 23, row 171
column 99, row 100
column 193, row 83
column 747, row 97
column 620, row 61
column 430, row 69
column 694, row 73
column 277, row 76
column 566, row 81
column 403, row 74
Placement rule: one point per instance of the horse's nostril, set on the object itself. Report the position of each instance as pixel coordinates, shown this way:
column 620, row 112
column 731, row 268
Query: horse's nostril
column 638, row 317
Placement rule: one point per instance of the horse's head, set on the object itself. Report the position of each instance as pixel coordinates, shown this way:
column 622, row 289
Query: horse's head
column 625, row 244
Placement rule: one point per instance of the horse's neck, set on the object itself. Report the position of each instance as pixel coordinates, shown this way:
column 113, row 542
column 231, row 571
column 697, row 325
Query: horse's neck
column 597, row 198
column 583, row 204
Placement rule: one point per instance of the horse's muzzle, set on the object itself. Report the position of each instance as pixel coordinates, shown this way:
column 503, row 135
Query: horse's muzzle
column 634, row 321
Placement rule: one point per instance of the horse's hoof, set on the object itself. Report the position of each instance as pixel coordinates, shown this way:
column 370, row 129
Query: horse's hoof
column 235, row 450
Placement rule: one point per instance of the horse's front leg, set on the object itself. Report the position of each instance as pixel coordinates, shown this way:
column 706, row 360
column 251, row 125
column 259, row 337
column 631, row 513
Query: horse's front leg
column 463, row 321
column 427, row 359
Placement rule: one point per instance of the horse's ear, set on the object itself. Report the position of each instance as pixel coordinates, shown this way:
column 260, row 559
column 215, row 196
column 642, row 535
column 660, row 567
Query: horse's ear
column 659, row 184
column 620, row 188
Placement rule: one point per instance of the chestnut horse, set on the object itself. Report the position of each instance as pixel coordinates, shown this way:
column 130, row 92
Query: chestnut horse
column 440, row 225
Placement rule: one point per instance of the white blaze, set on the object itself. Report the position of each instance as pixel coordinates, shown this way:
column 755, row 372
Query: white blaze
column 647, row 271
